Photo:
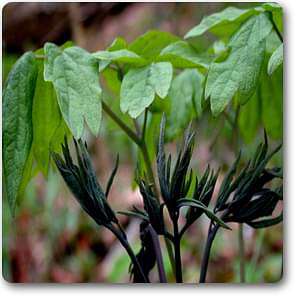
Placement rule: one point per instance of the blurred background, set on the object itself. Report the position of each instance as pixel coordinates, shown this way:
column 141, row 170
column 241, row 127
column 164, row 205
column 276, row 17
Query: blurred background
column 51, row 239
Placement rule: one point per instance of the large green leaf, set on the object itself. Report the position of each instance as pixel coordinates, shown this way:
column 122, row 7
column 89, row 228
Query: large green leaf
column 140, row 85
column 46, row 118
column 183, row 55
column 76, row 81
column 275, row 60
column 222, row 23
column 185, row 97
column 17, row 123
column 238, row 74
column 151, row 43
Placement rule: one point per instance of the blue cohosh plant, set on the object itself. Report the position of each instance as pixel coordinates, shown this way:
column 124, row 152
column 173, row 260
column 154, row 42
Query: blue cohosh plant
column 55, row 91
column 244, row 197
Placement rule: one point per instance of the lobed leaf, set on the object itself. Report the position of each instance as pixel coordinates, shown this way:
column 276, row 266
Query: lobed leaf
column 238, row 75
column 140, row 85
column 224, row 22
column 76, row 82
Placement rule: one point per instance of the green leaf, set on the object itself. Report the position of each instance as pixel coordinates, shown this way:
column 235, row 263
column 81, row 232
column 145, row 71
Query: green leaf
column 117, row 44
column 272, row 42
column 117, row 52
column 185, row 98
column 219, row 47
column 140, row 85
column 60, row 133
column 17, row 123
column 46, row 118
column 183, row 55
column 76, row 82
column 112, row 80
column 238, row 75
column 51, row 53
column 275, row 60
column 276, row 11
column 222, row 23
column 152, row 129
column 271, row 94
column 151, row 43
column 28, row 173
column 120, row 56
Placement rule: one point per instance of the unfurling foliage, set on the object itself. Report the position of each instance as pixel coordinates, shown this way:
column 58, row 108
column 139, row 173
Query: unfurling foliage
column 244, row 197
column 82, row 181
column 252, row 198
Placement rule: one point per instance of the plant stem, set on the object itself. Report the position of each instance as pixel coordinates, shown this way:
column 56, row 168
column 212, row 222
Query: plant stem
column 131, row 134
column 205, row 258
column 145, row 124
column 137, row 128
column 170, row 253
column 150, row 174
column 241, row 243
column 228, row 118
column 158, row 254
column 130, row 252
column 241, row 253
column 176, row 243
column 137, row 140
column 141, row 144
column 257, row 250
